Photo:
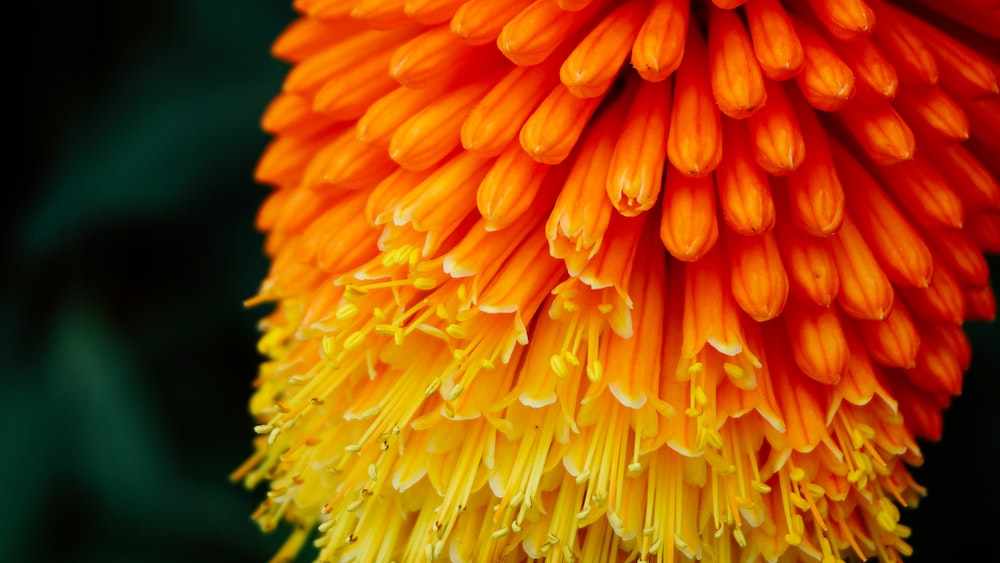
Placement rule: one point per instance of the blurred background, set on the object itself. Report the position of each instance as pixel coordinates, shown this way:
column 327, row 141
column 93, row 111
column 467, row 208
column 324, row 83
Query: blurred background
column 127, row 247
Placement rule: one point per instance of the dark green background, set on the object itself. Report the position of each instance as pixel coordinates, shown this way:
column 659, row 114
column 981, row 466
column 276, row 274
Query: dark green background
column 127, row 248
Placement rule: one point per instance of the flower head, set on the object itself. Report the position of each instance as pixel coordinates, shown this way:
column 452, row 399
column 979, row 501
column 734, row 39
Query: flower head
column 592, row 280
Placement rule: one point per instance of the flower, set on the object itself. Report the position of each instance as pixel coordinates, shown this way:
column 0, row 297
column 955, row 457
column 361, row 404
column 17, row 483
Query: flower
column 592, row 280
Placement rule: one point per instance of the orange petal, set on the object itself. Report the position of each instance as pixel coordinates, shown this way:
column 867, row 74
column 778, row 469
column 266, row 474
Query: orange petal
column 744, row 191
column 582, row 211
column 633, row 364
column 379, row 14
column 328, row 64
column 659, row 47
column 923, row 193
column 478, row 22
column 431, row 12
column 875, row 77
column 826, row 80
column 594, row 63
column 938, row 368
column 881, row 132
column 865, row 291
column 984, row 228
column 964, row 72
column 817, row 341
column 759, row 281
column 919, row 409
column 814, row 189
column 980, row 304
column 939, row 302
column 355, row 164
column 292, row 116
column 688, row 226
column 383, row 118
column 710, row 314
column 307, row 36
column 933, row 115
column 537, row 31
column 428, row 56
column 972, row 182
column 554, row 127
column 775, row 42
column 737, row 81
column 847, row 20
column 509, row 188
column 962, row 256
column 694, row 143
column 893, row 341
column 774, row 131
column 350, row 95
column 285, row 158
column 809, row 263
column 984, row 116
column 899, row 248
column 635, row 177
column 433, row 132
column 904, row 47
column 799, row 398
column 497, row 118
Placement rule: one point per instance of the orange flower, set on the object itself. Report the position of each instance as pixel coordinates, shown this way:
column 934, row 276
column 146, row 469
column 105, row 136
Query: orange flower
column 535, row 302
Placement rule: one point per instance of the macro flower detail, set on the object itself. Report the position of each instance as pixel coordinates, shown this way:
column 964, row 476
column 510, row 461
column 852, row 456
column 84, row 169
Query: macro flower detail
column 654, row 280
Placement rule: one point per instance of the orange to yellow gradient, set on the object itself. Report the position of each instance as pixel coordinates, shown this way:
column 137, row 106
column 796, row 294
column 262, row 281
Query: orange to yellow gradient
column 655, row 280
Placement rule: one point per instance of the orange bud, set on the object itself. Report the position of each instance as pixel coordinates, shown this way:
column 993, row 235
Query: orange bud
column 847, row 20
column 479, row 21
column 554, row 127
column 826, row 80
column 893, row 341
column 898, row 246
column 775, row 42
column 904, row 47
column 759, row 281
column 814, row 189
column 923, row 193
column 865, row 291
column 538, row 30
column 983, row 227
column 497, row 118
column 963, row 257
column 744, row 191
column 688, row 226
column 509, row 188
column 881, row 132
column 971, row 180
column 810, row 265
column 876, row 78
column 775, row 133
column 659, row 47
column 939, row 302
column 694, row 144
column 430, row 12
column 433, row 132
column 594, row 63
column 933, row 115
column 737, row 81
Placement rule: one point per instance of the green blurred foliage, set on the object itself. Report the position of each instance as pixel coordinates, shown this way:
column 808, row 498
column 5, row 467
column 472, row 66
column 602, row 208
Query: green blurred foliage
column 128, row 246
